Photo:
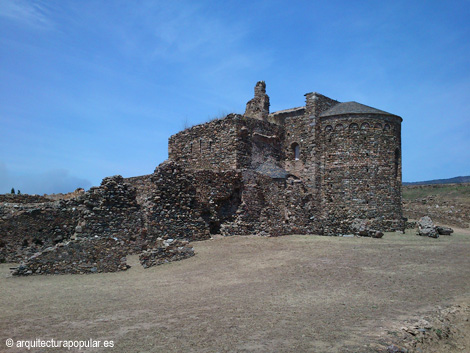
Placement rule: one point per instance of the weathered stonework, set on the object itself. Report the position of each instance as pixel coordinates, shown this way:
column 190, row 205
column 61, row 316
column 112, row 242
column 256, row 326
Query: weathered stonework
column 346, row 156
column 77, row 257
column 319, row 169
column 258, row 107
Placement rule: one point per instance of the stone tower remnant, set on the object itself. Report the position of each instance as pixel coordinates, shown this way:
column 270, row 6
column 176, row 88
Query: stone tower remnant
column 258, row 107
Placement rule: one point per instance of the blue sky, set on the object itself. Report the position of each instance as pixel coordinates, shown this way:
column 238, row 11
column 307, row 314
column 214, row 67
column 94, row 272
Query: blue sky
column 90, row 89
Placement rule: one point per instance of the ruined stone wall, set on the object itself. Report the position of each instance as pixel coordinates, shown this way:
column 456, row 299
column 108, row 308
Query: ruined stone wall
column 22, row 198
column 191, row 204
column 299, row 149
column 77, row 257
column 259, row 142
column 258, row 107
column 212, row 145
column 28, row 228
column 70, row 195
column 280, row 116
column 143, row 186
column 235, row 142
column 111, row 210
column 361, row 170
column 273, row 206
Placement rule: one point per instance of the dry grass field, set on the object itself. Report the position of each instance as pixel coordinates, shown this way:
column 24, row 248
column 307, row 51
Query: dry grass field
column 445, row 203
column 248, row 294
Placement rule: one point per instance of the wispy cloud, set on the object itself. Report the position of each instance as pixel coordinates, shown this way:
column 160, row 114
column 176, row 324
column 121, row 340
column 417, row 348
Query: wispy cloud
column 30, row 13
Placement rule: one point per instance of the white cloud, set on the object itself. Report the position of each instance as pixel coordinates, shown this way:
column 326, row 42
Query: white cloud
column 31, row 13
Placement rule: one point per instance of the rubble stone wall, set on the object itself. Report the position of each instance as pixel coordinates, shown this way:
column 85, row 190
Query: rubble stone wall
column 77, row 257
column 111, row 210
column 212, row 145
column 258, row 107
column 22, row 198
column 188, row 204
column 28, row 228
column 274, row 207
column 260, row 142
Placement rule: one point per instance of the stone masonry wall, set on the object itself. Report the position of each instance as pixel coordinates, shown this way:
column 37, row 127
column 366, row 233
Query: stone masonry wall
column 259, row 142
column 361, row 170
column 188, row 204
column 317, row 103
column 22, row 198
column 111, row 210
column 236, row 142
column 28, row 228
column 212, row 145
column 77, row 257
column 258, row 107
column 275, row 207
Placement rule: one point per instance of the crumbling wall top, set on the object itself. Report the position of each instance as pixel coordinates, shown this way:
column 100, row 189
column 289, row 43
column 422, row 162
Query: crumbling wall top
column 258, row 107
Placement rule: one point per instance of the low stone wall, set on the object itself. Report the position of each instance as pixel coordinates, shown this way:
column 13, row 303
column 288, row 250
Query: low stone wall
column 110, row 210
column 165, row 251
column 22, row 198
column 77, row 257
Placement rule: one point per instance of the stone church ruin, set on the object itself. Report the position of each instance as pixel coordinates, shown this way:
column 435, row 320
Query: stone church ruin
column 315, row 169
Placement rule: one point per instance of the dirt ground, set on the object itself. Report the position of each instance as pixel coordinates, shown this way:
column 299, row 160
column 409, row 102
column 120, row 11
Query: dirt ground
column 249, row 294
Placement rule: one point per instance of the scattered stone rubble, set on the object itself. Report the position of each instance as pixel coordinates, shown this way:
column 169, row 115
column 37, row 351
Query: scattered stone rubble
column 165, row 251
column 426, row 227
column 362, row 227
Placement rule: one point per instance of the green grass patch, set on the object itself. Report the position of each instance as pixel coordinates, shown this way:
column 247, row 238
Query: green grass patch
column 449, row 192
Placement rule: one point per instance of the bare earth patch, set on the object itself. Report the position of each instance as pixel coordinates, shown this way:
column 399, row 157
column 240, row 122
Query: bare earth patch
column 250, row 294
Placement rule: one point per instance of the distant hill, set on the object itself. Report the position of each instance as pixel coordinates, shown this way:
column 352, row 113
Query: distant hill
column 456, row 180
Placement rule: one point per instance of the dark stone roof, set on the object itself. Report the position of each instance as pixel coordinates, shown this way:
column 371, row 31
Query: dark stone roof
column 272, row 170
column 352, row 108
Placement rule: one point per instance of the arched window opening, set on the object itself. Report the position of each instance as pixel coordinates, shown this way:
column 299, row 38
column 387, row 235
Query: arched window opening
column 191, row 147
column 397, row 161
column 200, row 146
column 353, row 126
column 210, row 146
column 296, row 151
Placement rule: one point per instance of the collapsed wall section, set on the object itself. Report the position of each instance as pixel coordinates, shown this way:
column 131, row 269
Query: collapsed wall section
column 189, row 204
column 273, row 206
column 111, row 210
column 259, row 142
column 77, row 257
column 26, row 228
